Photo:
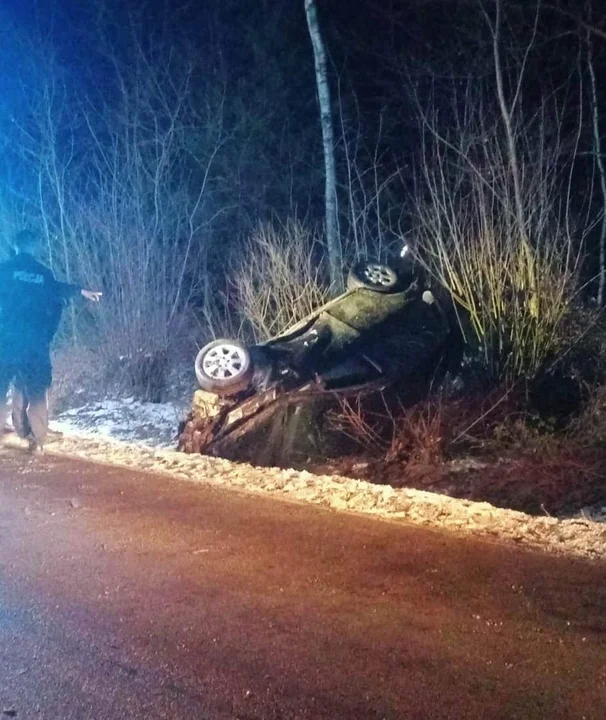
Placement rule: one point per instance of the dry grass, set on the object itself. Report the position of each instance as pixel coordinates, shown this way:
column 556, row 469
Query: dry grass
column 278, row 278
column 484, row 448
column 383, row 427
column 516, row 296
column 504, row 244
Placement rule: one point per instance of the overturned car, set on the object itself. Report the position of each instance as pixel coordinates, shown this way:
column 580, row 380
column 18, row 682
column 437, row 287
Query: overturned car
column 264, row 403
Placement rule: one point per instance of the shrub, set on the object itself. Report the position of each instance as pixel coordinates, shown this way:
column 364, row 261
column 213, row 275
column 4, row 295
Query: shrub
column 277, row 278
column 494, row 226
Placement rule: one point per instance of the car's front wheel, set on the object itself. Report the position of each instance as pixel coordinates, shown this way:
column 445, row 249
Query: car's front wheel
column 373, row 276
column 224, row 367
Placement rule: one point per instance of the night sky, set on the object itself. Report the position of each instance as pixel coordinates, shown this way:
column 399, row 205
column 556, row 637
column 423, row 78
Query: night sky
column 259, row 50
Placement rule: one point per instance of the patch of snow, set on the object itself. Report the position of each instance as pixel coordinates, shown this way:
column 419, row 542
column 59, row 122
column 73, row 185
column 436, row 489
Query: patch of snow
column 129, row 420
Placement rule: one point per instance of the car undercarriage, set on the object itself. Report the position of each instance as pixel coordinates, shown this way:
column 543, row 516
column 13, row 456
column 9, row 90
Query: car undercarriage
column 261, row 402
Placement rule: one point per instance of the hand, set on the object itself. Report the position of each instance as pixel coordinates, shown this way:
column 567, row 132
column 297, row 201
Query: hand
column 91, row 295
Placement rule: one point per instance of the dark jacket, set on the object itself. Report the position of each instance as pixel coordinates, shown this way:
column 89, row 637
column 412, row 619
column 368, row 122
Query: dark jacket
column 31, row 302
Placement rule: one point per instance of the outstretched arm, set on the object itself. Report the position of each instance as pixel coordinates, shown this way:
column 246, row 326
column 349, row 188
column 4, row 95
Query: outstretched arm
column 69, row 291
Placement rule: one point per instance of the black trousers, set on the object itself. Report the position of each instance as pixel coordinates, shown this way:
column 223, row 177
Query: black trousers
column 29, row 371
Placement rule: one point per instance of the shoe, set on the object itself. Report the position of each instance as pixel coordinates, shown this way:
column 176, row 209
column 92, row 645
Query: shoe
column 35, row 448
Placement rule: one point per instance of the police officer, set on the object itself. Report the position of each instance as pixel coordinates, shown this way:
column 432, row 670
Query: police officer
column 31, row 303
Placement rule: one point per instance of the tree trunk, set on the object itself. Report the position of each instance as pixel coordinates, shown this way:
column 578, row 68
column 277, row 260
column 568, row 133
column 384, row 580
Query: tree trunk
column 514, row 165
column 332, row 235
column 597, row 149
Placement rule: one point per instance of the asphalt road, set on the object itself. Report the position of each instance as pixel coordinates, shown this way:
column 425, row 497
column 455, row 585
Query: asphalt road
column 126, row 595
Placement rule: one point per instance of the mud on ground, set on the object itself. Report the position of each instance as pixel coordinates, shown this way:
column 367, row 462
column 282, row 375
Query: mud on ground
column 562, row 485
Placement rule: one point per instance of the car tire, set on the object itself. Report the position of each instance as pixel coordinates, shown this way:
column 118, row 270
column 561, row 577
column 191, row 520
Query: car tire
column 373, row 276
column 224, row 367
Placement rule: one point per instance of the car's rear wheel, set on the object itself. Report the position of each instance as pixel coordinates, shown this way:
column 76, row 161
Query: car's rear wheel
column 373, row 276
column 224, row 367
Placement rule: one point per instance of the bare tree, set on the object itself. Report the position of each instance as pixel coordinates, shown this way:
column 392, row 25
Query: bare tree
column 597, row 151
column 323, row 87
column 144, row 209
column 373, row 214
column 44, row 135
column 508, row 110
column 516, row 288
column 123, row 181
